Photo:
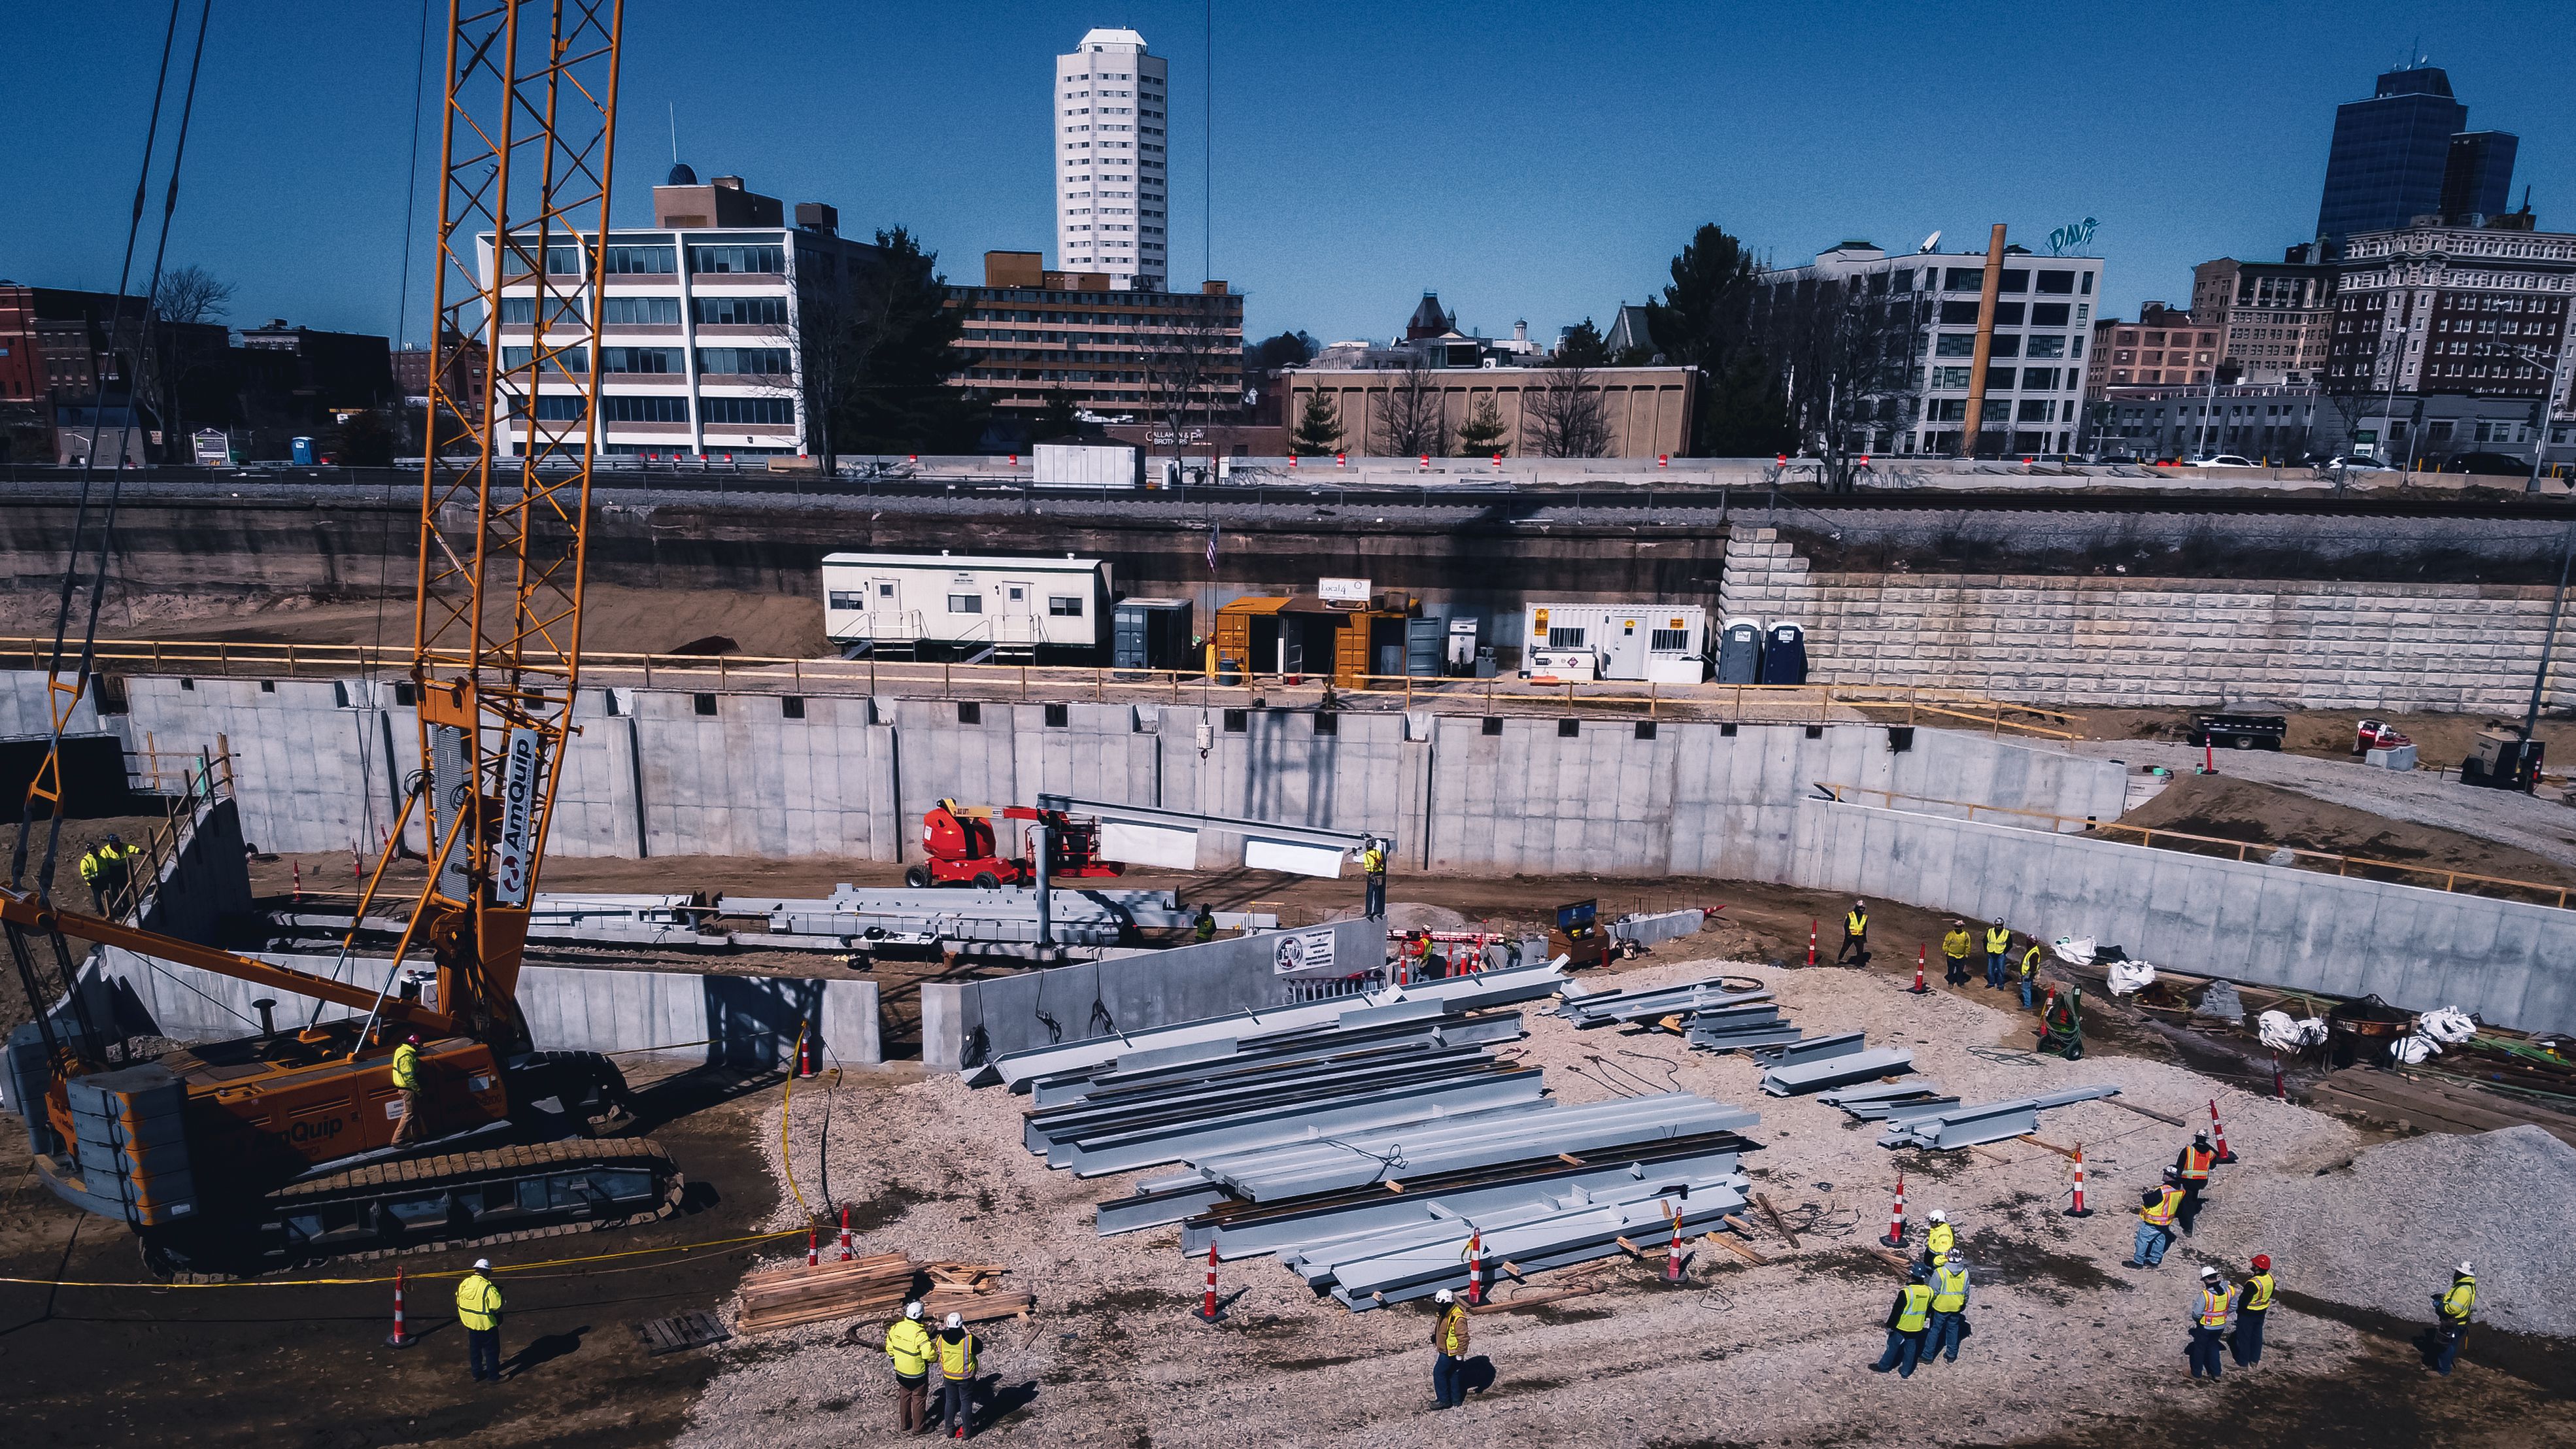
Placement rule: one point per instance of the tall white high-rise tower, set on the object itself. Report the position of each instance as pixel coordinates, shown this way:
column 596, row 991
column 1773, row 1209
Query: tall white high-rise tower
column 1112, row 161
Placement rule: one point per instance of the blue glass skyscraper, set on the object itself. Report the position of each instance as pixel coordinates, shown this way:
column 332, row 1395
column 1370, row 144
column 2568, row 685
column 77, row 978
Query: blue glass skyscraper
column 2393, row 157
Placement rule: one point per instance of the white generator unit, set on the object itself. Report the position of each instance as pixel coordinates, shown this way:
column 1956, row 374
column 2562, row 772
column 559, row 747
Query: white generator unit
column 965, row 601
column 1662, row 643
column 1578, row 663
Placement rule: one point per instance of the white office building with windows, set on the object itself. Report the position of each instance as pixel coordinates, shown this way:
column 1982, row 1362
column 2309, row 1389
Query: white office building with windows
column 698, row 321
column 1113, row 161
column 1927, row 303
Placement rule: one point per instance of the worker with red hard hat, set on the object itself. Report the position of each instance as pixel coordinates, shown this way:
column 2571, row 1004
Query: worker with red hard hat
column 2246, row 1344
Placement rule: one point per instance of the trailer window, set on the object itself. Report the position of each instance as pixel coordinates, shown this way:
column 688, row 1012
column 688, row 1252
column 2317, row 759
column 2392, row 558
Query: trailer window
column 1565, row 638
column 965, row 603
column 847, row 599
column 1064, row 608
column 1668, row 641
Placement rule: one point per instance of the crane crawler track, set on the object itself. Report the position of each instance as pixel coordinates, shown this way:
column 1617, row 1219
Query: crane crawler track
column 414, row 1177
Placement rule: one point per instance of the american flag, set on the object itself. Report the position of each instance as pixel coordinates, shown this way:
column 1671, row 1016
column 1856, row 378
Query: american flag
column 1214, row 529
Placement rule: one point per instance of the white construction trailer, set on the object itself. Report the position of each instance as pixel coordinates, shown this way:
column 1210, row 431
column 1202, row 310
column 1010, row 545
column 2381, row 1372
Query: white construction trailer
column 961, row 604
column 1664, row 643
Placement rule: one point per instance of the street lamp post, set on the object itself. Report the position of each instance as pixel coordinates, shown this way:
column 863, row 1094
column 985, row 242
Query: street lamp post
column 2548, row 402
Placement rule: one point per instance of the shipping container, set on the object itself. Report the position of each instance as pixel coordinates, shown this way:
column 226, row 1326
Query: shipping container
column 1084, row 463
column 1152, row 634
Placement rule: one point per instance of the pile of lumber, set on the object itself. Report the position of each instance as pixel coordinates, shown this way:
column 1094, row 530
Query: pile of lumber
column 876, row 1287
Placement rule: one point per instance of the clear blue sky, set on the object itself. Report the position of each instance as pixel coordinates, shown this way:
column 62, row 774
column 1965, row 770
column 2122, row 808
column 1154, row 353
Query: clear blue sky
column 1538, row 161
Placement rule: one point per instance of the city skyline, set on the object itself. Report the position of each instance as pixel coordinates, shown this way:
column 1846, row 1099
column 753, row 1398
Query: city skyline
column 1349, row 177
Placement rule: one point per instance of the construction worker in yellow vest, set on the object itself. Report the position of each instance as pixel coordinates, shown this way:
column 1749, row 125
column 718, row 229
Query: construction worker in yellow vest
column 2155, row 1223
column 2246, row 1343
column 1998, row 953
column 478, row 1312
column 1949, row 1307
column 1906, row 1321
column 2029, row 971
column 1954, row 950
column 1940, row 1240
column 2193, row 1165
column 1373, row 876
column 1449, row 1352
column 908, row 1345
column 2209, row 1322
column 2451, row 1325
column 407, row 1081
column 1855, row 934
column 956, row 1350
column 105, row 870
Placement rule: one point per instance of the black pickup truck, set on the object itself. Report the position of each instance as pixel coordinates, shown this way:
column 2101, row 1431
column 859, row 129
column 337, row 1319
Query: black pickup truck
column 2239, row 731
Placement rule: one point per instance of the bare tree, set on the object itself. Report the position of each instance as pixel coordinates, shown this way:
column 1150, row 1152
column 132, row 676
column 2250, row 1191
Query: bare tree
column 1564, row 416
column 1845, row 355
column 1415, row 419
column 188, row 297
column 1182, row 355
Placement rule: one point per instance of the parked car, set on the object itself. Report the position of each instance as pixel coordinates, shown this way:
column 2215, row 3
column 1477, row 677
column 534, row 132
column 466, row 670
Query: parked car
column 2503, row 465
column 2222, row 460
column 2355, row 463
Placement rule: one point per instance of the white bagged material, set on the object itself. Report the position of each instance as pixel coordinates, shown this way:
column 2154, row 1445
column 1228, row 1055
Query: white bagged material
column 2130, row 977
column 2409, row 1050
column 2075, row 950
column 2282, row 1034
column 2450, row 1025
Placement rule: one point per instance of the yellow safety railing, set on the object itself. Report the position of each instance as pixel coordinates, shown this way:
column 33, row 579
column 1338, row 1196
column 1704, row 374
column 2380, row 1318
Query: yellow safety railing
column 2424, row 875
column 773, row 674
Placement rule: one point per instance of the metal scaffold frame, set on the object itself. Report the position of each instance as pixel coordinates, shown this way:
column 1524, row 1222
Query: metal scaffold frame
column 529, row 129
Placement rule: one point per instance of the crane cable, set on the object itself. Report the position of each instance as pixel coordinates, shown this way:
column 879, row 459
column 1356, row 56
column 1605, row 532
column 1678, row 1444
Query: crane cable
column 80, row 515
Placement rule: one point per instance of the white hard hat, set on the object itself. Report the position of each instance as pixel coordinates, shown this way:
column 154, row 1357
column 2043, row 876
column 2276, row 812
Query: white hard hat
column 1445, row 1296
column 912, row 1309
column 957, row 1320
column 1939, row 1216
column 482, row 1263
column 2207, row 1272
column 2464, row 1271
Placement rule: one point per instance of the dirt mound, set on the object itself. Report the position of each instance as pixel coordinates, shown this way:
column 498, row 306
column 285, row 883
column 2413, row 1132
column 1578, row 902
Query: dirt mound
column 2235, row 809
column 2385, row 1229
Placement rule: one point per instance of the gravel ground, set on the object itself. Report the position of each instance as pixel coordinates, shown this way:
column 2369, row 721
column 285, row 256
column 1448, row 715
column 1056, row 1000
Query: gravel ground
column 2544, row 827
column 2407, row 1213
column 2065, row 1335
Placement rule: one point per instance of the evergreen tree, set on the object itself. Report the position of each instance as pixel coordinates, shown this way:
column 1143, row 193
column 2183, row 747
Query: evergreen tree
column 1481, row 435
column 1705, row 320
column 1319, row 426
column 1582, row 347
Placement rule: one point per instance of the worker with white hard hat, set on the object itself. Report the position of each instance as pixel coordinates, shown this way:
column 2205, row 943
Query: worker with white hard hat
column 478, row 1312
column 908, row 1346
column 2452, row 1310
column 956, row 1348
column 1855, row 934
column 1448, row 1352
column 2209, row 1322
column 1938, row 1243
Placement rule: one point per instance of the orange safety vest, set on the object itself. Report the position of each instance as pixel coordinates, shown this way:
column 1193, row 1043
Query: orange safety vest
column 2164, row 1209
column 2213, row 1307
column 2196, row 1164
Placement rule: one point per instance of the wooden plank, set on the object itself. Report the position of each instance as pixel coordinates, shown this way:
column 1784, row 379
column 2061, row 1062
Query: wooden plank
column 1738, row 1249
column 1763, row 1201
column 1519, row 1301
column 1894, row 1260
column 2066, row 1152
column 2144, row 1112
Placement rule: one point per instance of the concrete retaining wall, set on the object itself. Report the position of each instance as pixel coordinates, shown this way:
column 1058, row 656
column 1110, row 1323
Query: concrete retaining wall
column 2508, row 963
column 316, row 763
column 979, row 1020
column 747, row 1021
column 2108, row 640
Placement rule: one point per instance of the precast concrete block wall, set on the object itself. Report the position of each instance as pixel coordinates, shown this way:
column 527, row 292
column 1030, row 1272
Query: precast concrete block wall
column 2123, row 642
column 975, row 1021
column 2507, row 962
column 742, row 1021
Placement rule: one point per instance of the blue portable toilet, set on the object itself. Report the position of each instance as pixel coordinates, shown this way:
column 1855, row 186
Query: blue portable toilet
column 304, row 452
column 1784, row 654
column 1739, row 652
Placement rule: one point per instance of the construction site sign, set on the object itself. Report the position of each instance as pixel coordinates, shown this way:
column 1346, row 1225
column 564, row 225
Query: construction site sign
column 1302, row 953
column 516, row 852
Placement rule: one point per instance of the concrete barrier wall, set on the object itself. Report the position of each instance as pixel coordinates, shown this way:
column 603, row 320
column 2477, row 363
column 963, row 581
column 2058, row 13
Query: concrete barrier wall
column 979, row 1020
column 2509, row 963
column 318, row 765
column 748, row 1021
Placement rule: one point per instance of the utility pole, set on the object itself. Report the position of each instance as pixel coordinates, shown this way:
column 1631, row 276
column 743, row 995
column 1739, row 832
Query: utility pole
column 2548, row 403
